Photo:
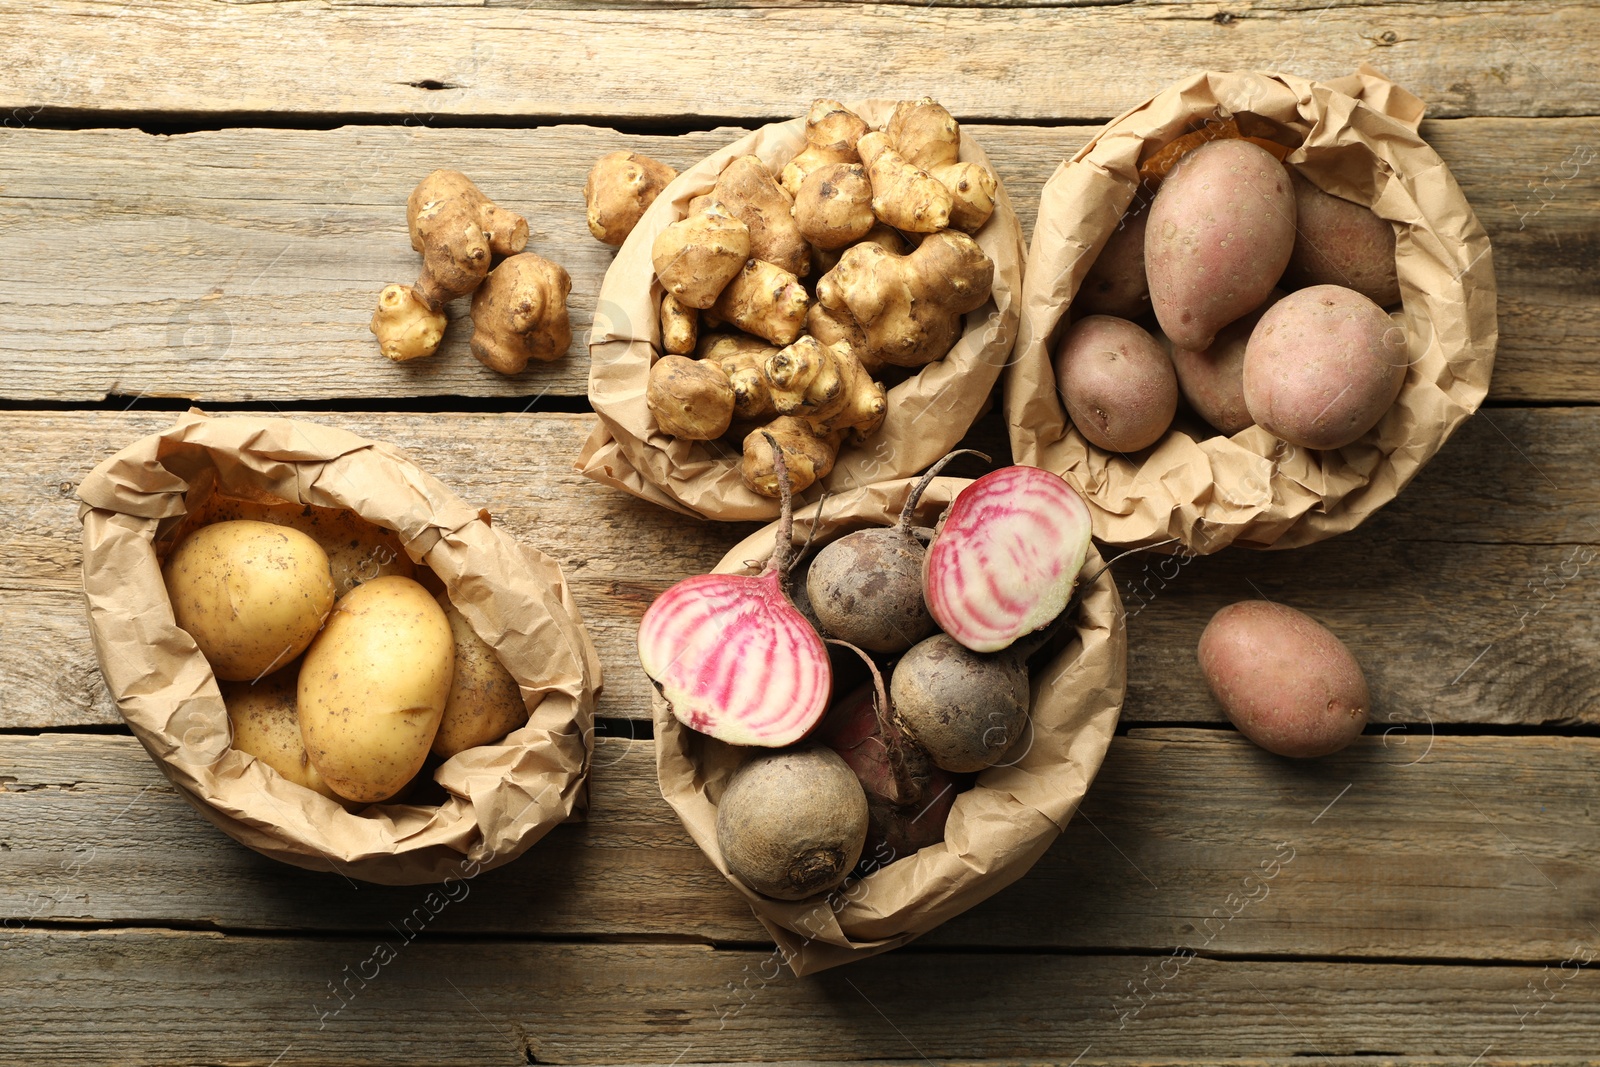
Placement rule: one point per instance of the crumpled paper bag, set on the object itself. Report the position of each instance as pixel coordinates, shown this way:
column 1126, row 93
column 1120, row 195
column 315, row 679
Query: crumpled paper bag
column 502, row 797
column 928, row 413
column 1359, row 142
column 997, row 829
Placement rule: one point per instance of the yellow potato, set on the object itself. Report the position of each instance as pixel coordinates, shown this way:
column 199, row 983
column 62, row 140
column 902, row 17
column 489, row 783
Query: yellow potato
column 485, row 703
column 358, row 550
column 373, row 688
column 251, row 594
column 266, row 726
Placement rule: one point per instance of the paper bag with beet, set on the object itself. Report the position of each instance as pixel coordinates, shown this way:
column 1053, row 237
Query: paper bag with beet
column 887, row 817
column 827, row 284
column 368, row 678
column 1255, row 306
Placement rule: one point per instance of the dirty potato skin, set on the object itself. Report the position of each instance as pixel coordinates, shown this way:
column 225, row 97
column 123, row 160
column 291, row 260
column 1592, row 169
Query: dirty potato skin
column 1116, row 382
column 1213, row 381
column 251, row 594
column 1341, row 243
column 1323, row 366
column 485, row 702
column 358, row 550
column 1116, row 284
column 1220, row 233
column 265, row 725
column 792, row 823
column 1284, row 679
column 373, row 688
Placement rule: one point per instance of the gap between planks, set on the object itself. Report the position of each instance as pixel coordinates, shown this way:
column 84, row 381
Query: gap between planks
column 243, row 265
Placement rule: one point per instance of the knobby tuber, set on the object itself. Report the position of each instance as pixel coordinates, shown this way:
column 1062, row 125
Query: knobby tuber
column 620, row 187
column 520, row 313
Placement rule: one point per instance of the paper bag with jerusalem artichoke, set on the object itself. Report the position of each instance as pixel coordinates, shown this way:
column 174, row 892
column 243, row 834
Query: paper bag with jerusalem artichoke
column 996, row 830
column 1354, row 137
column 497, row 798
column 926, row 414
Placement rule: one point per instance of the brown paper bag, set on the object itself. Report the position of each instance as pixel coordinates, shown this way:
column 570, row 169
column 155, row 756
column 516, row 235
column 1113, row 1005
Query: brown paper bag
column 1357, row 139
column 928, row 413
column 997, row 829
column 502, row 797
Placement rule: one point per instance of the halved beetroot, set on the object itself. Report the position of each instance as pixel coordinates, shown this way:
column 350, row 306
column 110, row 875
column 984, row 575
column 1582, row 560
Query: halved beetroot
column 1005, row 557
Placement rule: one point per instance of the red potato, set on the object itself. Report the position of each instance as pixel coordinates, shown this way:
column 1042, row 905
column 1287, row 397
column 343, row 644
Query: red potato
column 1322, row 366
column 1213, row 381
column 1341, row 243
column 1284, row 679
column 1116, row 284
column 1117, row 383
column 1221, row 229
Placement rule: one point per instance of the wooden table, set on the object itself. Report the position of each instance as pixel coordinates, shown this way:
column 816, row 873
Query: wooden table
column 199, row 202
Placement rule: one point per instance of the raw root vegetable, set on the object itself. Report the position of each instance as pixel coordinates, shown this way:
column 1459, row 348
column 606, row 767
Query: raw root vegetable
column 621, row 185
column 807, row 455
column 731, row 654
column 908, row 798
column 520, row 313
column 753, row 196
column 792, row 824
column 458, row 230
column 697, row 256
column 1005, row 557
column 964, row 708
column 866, row 587
column 690, row 398
column 832, row 131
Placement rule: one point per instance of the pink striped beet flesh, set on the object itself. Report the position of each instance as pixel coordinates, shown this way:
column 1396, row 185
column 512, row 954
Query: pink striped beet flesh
column 1005, row 557
column 736, row 660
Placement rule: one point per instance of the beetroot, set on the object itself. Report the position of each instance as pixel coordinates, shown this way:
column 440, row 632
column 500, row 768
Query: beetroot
column 732, row 655
column 1005, row 557
column 792, row 824
column 866, row 587
column 964, row 708
column 900, row 820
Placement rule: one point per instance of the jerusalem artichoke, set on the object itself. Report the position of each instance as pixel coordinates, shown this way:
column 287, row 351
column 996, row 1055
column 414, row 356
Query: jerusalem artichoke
column 620, row 187
column 753, row 196
column 520, row 313
column 697, row 256
column 909, row 307
column 832, row 131
column 690, row 398
column 765, row 300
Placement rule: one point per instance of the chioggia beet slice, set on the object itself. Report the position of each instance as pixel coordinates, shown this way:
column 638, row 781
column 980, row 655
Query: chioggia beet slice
column 1005, row 557
column 733, row 656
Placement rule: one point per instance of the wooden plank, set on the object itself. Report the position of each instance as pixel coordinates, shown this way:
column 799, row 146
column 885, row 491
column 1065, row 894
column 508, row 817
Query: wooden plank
column 244, row 264
column 139, row 996
column 1493, row 544
column 1450, row 848
column 999, row 62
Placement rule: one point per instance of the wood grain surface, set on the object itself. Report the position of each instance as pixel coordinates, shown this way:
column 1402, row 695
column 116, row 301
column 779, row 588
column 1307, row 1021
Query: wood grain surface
column 167, row 996
column 529, row 60
column 1407, row 846
column 200, row 200
column 1468, row 600
column 244, row 265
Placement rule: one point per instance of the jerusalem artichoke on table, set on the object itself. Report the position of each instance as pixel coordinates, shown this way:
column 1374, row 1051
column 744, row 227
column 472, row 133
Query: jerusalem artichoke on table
column 520, row 313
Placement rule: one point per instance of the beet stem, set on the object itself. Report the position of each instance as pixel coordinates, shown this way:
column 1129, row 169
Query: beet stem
column 783, row 546
column 926, row 480
column 893, row 740
column 811, row 534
